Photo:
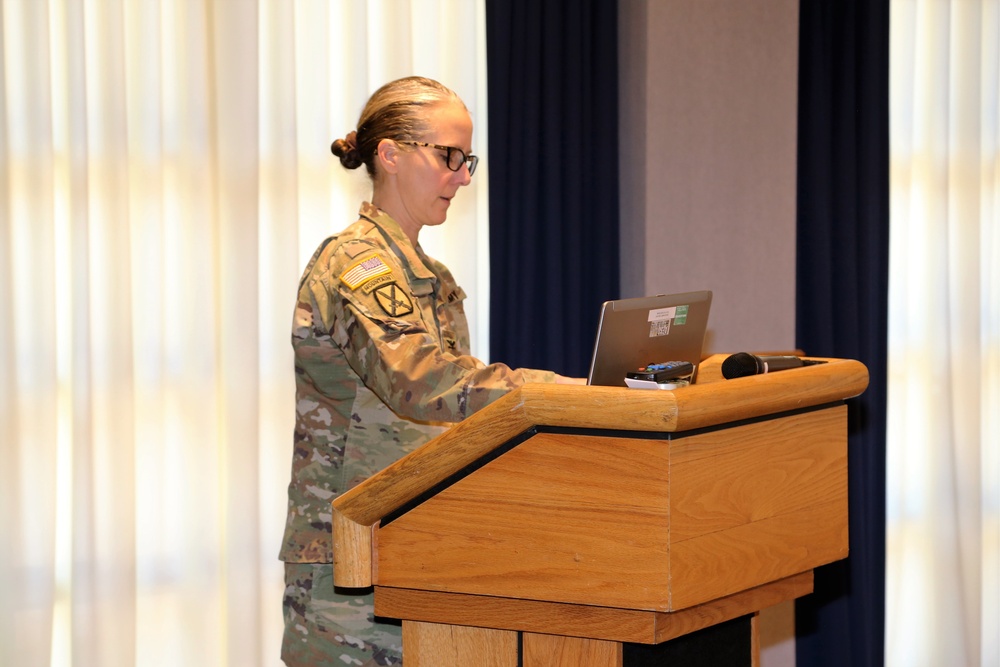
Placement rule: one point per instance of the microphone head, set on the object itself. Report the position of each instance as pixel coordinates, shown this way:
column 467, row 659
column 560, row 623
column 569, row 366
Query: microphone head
column 740, row 365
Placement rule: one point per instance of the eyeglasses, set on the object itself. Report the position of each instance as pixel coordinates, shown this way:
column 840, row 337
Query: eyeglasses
column 456, row 156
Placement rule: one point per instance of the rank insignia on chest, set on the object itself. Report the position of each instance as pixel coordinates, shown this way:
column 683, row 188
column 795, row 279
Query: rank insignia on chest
column 394, row 301
column 361, row 272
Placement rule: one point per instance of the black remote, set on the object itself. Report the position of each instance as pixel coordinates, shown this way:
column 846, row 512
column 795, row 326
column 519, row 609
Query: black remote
column 662, row 372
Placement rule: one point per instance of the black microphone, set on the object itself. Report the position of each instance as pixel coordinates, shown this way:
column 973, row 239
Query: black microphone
column 743, row 364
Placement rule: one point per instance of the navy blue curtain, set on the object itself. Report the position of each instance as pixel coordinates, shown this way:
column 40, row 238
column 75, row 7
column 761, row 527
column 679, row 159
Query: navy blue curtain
column 552, row 80
column 842, row 297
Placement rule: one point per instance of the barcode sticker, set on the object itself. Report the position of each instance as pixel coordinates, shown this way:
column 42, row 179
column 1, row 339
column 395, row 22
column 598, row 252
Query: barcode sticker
column 660, row 328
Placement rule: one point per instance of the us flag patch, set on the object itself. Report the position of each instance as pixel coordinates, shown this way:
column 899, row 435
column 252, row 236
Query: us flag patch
column 361, row 272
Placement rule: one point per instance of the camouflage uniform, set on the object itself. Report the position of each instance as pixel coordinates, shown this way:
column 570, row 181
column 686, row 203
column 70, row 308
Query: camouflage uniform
column 382, row 364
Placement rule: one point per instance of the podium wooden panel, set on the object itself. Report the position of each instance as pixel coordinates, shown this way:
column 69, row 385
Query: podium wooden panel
column 584, row 517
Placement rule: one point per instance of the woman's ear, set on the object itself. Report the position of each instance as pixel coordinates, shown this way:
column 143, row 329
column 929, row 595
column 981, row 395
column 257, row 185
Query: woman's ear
column 388, row 156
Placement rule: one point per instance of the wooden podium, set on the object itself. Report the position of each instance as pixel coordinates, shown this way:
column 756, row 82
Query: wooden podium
column 564, row 523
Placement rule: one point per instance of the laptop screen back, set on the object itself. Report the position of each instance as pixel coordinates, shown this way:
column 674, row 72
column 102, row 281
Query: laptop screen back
column 635, row 332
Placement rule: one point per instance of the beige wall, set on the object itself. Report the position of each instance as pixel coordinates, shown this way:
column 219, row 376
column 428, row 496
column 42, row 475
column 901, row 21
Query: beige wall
column 708, row 132
column 708, row 141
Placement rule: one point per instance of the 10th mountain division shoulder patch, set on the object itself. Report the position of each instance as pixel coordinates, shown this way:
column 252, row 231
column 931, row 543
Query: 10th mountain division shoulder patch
column 393, row 300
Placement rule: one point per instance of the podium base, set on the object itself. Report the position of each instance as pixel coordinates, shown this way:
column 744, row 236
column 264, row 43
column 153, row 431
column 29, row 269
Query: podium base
column 728, row 644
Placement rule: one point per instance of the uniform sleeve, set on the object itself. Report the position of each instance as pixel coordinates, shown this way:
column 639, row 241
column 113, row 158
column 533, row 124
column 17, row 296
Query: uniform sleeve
column 387, row 344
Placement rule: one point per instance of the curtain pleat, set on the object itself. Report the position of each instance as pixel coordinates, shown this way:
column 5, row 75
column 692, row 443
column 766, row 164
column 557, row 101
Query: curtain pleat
column 940, row 369
column 165, row 174
column 943, row 482
column 553, row 79
column 841, row 302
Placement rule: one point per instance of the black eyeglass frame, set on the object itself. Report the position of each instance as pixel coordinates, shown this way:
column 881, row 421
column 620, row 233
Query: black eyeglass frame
column 471, row 160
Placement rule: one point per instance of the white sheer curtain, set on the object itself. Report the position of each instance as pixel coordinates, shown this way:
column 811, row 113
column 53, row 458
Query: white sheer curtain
column 165, row 174
column 943, row 487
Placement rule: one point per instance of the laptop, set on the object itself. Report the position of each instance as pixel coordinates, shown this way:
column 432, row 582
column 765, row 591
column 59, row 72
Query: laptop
column 633, row 333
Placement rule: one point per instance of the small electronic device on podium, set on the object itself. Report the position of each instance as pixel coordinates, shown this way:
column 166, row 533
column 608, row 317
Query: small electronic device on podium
column 665, row 375
column 633, row 334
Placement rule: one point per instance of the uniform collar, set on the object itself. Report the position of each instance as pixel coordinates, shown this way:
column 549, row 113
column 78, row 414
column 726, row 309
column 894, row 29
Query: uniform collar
column 416, row 260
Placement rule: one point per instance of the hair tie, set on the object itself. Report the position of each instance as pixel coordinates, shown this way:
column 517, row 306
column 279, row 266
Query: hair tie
column 351, row 141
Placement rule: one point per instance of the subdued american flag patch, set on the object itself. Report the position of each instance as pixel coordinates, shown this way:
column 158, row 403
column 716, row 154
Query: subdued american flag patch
column 361, row 272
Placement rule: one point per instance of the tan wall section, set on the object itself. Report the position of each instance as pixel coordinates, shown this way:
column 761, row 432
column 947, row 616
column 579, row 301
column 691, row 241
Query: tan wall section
column 708, row 141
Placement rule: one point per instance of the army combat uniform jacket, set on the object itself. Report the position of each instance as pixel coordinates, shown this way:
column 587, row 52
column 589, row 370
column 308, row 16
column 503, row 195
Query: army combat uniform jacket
column 382, row 364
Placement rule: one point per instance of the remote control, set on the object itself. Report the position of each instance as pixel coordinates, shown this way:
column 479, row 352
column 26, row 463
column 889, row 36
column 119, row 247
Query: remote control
column 662, row 372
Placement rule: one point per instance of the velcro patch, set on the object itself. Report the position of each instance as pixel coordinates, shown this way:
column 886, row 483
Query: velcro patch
column 361, row 272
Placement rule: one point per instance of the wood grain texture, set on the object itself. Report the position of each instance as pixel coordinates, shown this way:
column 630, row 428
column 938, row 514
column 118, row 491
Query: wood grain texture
column 436, row 645
column 352, row 552
column 754, row 471
column 633, row 523
column 434, row 462
column 560, row 517
column 710, row 401
column 756, row 503
column 587, row 621
column 556, row 651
